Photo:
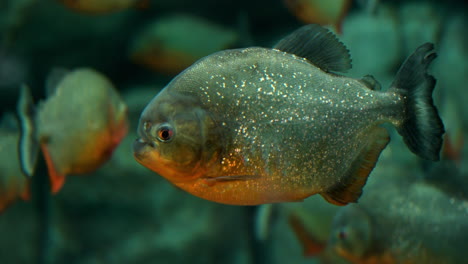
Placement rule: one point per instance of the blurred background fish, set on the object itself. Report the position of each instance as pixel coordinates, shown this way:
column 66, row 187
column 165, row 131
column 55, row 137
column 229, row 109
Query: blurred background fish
column 103, row 6
column 331, row 12
column 403, row 223
column 78, row 125
column 311, row 223
column 13, row 183
column 172, row 43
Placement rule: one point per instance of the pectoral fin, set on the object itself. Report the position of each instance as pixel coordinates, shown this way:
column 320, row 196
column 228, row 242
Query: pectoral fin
column 350, row 189
column 57, row 179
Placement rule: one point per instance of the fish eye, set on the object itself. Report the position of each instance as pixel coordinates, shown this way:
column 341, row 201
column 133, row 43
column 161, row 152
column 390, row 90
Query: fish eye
column 164, row 132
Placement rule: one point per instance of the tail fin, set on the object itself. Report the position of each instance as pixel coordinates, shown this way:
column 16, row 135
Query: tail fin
column 28, row 145
column 422, row 128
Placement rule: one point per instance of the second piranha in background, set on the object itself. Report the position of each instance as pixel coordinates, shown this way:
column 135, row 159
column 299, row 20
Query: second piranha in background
column 102, row 6
column 258, row 125
column 403, row 223
column 78, row 126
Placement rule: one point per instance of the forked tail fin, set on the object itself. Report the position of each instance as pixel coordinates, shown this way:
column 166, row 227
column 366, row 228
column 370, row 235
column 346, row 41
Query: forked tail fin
column 422, row 128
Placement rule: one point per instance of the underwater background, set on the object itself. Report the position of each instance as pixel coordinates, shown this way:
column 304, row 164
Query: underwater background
column 125, row 213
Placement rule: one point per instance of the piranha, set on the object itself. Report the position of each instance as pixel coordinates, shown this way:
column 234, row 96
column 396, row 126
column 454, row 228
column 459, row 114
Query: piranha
column 103, row 6
column 13, row 183
column 257, row 125
column 77, row 127
column 411, row 223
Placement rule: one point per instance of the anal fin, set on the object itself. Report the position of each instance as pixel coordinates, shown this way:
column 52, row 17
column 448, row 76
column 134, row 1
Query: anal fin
column 350, row 189
column 56, row 179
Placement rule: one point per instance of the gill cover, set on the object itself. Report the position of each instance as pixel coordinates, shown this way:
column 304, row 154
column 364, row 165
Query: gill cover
column 178, row 138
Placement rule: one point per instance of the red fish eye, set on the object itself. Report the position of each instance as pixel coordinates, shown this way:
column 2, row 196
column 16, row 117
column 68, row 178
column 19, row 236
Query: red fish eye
column 165, row 133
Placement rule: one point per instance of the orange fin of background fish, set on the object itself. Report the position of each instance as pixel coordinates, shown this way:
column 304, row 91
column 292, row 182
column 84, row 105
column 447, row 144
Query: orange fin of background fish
column 56, row 179
column 453, row 147
column 143, row 4
column 339, row 24
column 26, row 194
column 320, row 12
column 350, row 189
column 311, row 246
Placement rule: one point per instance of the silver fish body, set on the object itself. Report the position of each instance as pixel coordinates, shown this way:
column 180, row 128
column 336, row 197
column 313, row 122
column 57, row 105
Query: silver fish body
column 274, row 127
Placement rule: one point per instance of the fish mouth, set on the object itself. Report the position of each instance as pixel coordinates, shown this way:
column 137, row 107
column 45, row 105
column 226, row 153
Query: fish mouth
column 140, row 148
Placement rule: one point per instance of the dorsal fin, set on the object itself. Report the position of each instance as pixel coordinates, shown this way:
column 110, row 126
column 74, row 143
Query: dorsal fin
column 318, row 45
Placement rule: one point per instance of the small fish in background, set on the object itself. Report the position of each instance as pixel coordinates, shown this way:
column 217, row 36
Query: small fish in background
column 172, row 43
column 13, row 183
column 258, row 125
column 98, row 7
column 311, row 223
column 403, row 223
column 331, row 12
column 77, row 127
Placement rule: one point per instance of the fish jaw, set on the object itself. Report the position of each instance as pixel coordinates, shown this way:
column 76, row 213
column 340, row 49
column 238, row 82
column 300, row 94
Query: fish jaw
column 146, row 154
column 141, row 151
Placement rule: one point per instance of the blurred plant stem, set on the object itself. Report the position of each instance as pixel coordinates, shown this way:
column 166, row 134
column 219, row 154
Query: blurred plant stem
column 42, row 199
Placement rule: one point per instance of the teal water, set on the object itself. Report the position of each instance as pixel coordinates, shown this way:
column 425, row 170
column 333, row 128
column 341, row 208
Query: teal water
column 124, row 213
